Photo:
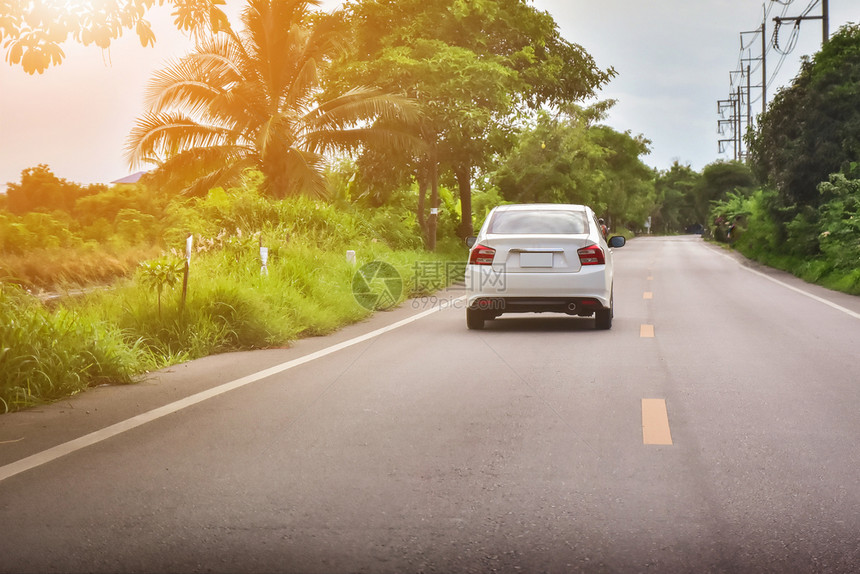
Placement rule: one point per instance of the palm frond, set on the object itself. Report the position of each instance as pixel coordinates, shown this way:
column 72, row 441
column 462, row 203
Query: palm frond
column 351, row 140
column 360, row 105
column 248, row 98
column 157, row 136
column 275, row 133
column 196, row 171
column 302, row 85
column 301, row 173
column 226, row 176
column 209, row 68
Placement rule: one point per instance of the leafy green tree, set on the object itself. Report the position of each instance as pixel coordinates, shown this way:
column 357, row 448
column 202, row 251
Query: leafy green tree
column 160, row 273
column 627, row 186
column 248, row 99
column 108, row 203
column 552, row 162
column 473, row 66
column 135, row 227
column 675, row 208
column 570, row 158
column 40, row 189
column 50, row 230
column 32, row 31
column 15, row 238
column 718, row 180
column 812, row 128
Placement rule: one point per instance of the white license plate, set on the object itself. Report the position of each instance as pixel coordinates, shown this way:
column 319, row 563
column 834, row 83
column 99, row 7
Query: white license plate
column 535, row 259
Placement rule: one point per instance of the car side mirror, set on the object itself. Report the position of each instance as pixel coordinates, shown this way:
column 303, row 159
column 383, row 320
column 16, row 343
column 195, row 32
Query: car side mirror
column 617, row 241
column 470, row 241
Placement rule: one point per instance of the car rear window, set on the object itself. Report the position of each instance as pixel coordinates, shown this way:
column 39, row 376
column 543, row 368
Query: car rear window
column 539, row 222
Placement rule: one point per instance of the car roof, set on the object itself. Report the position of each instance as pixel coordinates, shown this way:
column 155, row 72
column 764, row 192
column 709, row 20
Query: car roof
column 542, row 207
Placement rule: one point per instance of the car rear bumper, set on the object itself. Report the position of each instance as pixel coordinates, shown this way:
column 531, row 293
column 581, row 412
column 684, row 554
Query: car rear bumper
column 524, row 292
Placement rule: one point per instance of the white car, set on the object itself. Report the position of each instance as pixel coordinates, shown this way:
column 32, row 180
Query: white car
column 536, row 258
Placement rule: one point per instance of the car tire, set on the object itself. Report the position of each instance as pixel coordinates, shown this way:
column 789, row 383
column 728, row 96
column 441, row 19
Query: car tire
column 475, row 319
column 603, row 318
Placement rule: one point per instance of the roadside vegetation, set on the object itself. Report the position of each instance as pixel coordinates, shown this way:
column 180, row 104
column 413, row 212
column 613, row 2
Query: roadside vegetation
column 389, row 129
column 804, row 217
column 795, row 204
column 141, row 322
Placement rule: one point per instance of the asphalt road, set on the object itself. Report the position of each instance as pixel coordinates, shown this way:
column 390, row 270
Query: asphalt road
column 713, row 429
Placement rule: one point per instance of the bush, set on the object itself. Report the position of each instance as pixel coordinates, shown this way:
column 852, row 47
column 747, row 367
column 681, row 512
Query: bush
column 111, row 335
column 46, row 356
column 819, row 245
column 839, row 225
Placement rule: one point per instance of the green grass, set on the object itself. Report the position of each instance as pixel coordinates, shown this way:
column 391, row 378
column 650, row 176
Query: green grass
column 140, row 324
column 114, row 336
column 816, row 270
column 48, row 355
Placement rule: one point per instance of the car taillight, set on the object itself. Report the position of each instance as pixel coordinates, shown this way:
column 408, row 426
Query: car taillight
column 591, row 255
column 482, row 255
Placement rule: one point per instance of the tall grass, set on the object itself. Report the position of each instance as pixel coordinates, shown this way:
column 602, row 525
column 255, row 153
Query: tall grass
column 116, row 335
column 48, row 355
column 113, row 336
column 63, row 267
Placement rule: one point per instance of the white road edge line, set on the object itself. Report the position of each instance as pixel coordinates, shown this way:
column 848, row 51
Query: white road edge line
column 113, row 430
column 845, row 310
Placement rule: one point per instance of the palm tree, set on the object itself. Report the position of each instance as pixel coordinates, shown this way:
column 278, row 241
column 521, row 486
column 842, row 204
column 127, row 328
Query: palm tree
column 249, row 99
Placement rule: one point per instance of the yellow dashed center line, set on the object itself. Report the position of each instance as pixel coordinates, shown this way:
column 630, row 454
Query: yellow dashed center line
column 646, row 331
column 655, row 422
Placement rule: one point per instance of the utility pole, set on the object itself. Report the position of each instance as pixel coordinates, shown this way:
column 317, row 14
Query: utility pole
column 736, row 101
column 722, row 105
column 762, row 30
column 749, row 99
column 738, row 142
column 763, row 67
column 763, row 85
column 736, row 98
column 825, row 20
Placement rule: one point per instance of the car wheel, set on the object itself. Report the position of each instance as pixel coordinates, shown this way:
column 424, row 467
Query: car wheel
column 603, row 318
column 475, row 319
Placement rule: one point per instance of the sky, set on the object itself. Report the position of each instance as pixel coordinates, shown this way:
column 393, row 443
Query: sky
column 672, row 59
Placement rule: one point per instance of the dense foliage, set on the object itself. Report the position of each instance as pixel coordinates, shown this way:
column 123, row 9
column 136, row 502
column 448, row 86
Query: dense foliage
column 570, row 158
column 144, row 320
column 32, row 32
column 820, row 244
column 685, row 198
column 247, row 99
column 474, row 67
column 812, row 128
column 493, row 86
column 805, row 152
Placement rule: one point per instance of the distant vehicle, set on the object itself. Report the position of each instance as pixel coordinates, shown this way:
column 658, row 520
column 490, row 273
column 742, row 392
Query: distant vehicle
column 535, row 258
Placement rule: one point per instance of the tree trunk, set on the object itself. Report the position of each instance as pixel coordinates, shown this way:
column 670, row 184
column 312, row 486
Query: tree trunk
column 464, row 182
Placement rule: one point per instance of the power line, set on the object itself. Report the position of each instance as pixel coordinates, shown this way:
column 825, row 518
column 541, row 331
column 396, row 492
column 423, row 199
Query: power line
column 740, row 79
